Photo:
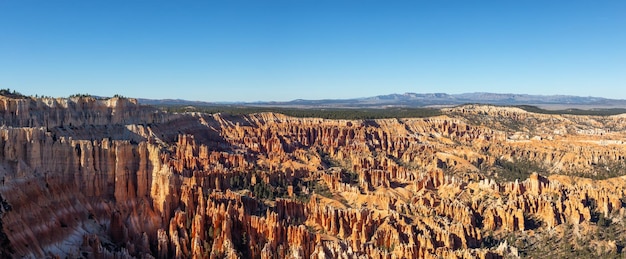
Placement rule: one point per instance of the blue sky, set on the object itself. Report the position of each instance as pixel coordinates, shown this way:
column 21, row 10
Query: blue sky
column 284, row 50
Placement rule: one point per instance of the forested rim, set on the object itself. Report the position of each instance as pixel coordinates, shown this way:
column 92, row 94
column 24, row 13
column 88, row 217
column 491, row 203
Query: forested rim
column 593, row 112
column 366, row 113
column 326, row 113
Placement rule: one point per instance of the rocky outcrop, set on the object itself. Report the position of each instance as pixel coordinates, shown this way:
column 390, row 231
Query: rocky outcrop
column 75, row 112
column 111, row 179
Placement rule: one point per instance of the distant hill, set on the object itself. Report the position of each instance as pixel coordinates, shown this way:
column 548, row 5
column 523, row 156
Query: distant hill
column 426, row 100
column 170, row 102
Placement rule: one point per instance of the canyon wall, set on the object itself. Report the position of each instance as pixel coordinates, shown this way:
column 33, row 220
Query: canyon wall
column 109, row 178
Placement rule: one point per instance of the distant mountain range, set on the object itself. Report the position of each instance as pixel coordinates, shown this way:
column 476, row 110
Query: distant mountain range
column 425, row 100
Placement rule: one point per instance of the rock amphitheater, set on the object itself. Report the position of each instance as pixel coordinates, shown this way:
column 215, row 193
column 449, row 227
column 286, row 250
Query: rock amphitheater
column 88, row 178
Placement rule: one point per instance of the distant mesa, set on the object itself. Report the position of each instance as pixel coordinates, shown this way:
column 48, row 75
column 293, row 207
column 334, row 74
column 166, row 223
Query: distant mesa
column 426, row 100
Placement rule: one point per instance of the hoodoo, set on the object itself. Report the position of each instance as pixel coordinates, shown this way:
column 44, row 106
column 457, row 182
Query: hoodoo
column 109, row 178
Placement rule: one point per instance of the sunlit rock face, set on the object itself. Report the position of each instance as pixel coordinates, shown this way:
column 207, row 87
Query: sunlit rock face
column 91, row 178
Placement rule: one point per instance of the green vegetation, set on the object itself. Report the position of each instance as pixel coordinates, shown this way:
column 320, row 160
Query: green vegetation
column 386, row 248
column 86, row 95
column 572, row 246
column 81, row 96
column 566, row 245
column 607, row 170
column 327, row 159
column 517, row 169
column 603, row 170
column 350, row 177
column 595, row 112
column 321, row 189
column 12, row 94
column 567, row 241
column 262, row 190
column 277, row 188
column 326, row 113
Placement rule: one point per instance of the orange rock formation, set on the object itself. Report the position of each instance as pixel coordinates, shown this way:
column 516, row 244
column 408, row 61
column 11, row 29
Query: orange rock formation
column 112, row 179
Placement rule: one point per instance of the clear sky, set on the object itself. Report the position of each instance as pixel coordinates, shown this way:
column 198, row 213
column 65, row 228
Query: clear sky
column 284, row 50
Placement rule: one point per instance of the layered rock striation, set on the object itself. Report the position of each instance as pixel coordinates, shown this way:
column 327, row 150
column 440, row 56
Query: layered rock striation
column 92, row 178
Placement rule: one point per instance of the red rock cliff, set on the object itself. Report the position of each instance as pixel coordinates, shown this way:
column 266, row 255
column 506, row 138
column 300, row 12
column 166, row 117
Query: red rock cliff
column 112, row 179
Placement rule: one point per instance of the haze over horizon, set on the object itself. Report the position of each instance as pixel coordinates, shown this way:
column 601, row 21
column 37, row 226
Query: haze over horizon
column 285, row 50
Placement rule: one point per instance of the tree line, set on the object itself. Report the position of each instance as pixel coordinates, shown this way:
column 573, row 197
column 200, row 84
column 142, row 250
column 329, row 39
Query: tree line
column 325, row 113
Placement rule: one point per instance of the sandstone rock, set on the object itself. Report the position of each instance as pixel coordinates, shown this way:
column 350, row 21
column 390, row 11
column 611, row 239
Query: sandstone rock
column 113, row 179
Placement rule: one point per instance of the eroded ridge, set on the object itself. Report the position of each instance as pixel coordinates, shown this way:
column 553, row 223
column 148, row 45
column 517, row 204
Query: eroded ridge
column 112, row 179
